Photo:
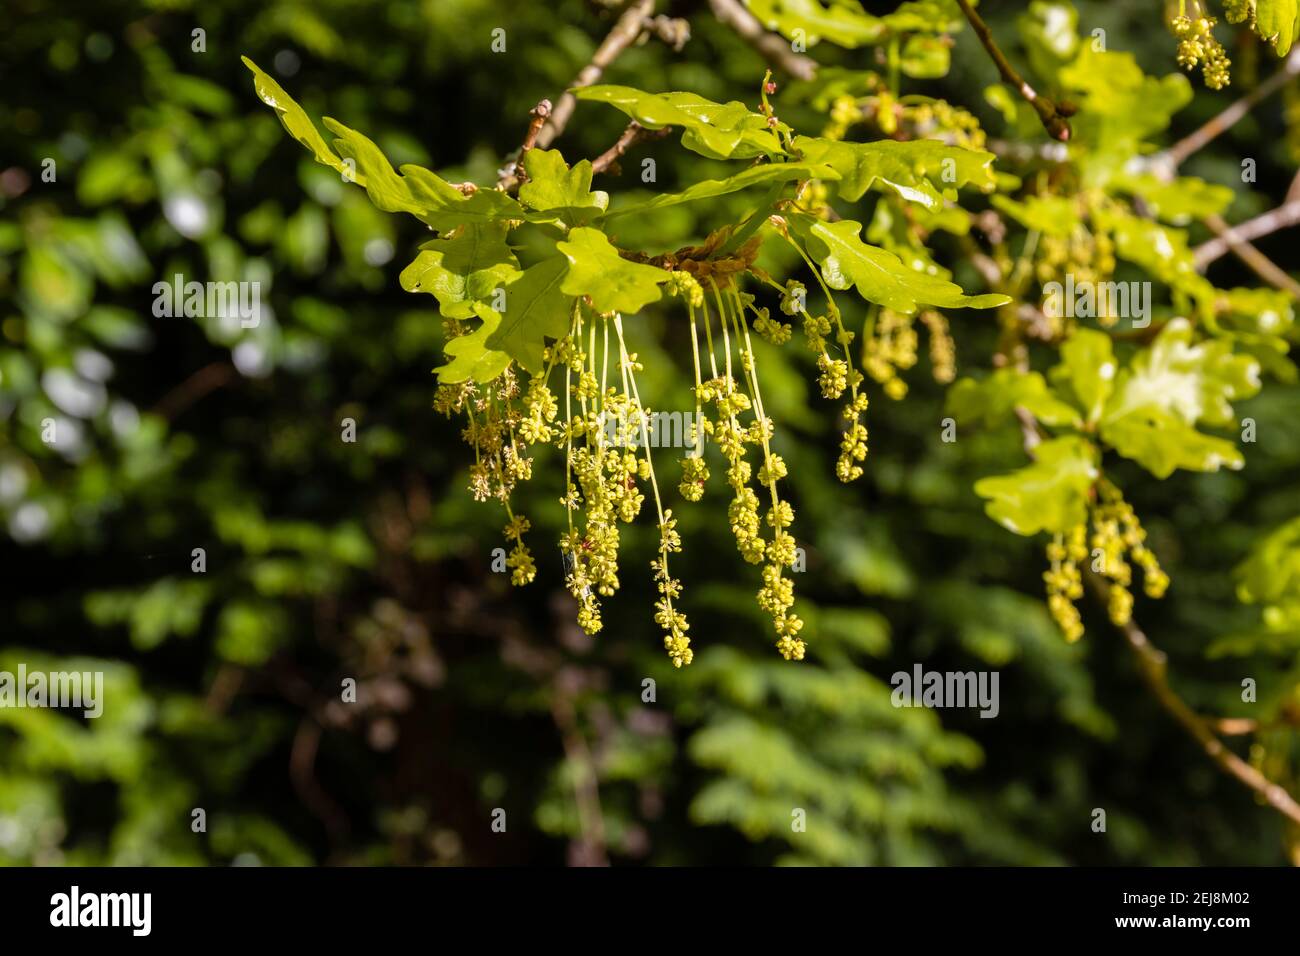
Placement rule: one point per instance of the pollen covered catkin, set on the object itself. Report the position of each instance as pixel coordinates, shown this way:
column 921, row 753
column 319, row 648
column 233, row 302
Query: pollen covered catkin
column 1117, row 537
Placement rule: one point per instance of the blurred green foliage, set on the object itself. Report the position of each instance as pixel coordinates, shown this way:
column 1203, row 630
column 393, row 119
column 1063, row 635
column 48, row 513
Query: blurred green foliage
column 328, row 560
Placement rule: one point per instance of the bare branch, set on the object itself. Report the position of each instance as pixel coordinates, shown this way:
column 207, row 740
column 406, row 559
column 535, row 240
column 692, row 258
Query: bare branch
column 1152, row 665
column 1189, row 144
column 773, row 48
column 633, row 134
column 1052, row 118
column 1287, row 214
column 627, row 30
column 1260, row 264
column 1233, row 726
column 513, row 174
column 207, row 379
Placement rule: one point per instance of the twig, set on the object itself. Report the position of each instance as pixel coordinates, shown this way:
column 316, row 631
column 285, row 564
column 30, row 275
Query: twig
column 672, row 31
column 1260, row 264
column 634, row 133
column 514, row 173
column 302, row 771
column 1287, row 214
column 1052, row 118
column 586, row 782
column 627, row 30
column 772, row 47
column 1225, row 120
column 1152, row 663
column 1232, row 726
column 207, row 379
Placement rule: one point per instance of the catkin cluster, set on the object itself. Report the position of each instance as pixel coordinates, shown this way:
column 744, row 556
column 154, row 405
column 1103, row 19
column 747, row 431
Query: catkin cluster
column 1117, row 542
column 1196, row 44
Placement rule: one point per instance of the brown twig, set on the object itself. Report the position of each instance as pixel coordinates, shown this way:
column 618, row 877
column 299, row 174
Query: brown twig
column 1233, row 726
column 1152, row 663
column 771, row 46
column 586, row 782
column 1287, row 214
column 302, row 771
column 1225, row 120
column 633, row 134
column 207, row 379
column 1260, row 264
column 1166, row 164
column 627, row 30
column 672, row 31
column 1049, row 114
column 514, row 173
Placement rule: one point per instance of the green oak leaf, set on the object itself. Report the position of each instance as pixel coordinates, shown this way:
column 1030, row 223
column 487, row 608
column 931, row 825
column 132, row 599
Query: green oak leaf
column 1161, row 442
column 470, row 357
column 1168, row 389
column 916, row 170
column 1119, row 108
column 535, row 307
column 294, row 118
column 926, row 16
column 811, row 21
column 879, row 276
column 1259, row 311
column 1161, row 251
column 993, row 400
column 1049, row 30
column 716, row 130
column 1178, row 201
column 1271, row 575
column 1087, row 371
column 1051, row 494
column 709, row 188
column 1278, row 22
column 462, row 268
column 553, row 187
column 925, row 58
column 1195, row 381
column 416, row 190
column 613, row 283
column 1050, row 215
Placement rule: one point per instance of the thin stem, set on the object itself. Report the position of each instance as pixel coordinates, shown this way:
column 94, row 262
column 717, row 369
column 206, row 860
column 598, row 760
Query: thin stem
column 773, row 48
column 1260, row 264
column 695, row 352
column 1285, row 215
column 1152, row 663
column 632, row 134
column 1053, row 121
column 1224, row 121
column 513, row 174
column 626, row 31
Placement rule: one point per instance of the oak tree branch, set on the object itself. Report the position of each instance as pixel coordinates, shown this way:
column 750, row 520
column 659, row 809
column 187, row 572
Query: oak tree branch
column 1051, row 116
